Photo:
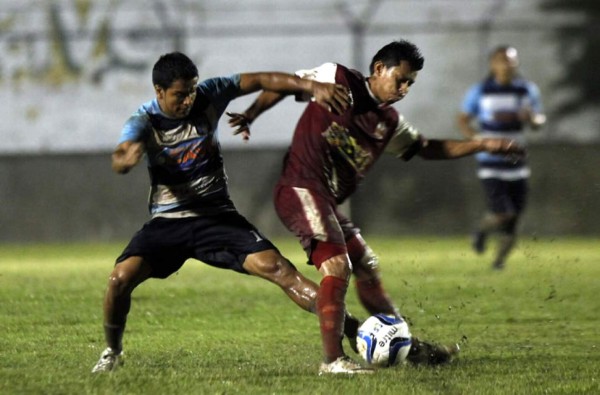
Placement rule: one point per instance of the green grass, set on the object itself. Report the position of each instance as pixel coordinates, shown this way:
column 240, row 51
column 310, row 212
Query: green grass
column 530, row 329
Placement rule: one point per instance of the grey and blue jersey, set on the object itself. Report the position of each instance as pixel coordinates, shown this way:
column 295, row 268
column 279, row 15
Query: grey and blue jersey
column 184, row 155
column 496, row 108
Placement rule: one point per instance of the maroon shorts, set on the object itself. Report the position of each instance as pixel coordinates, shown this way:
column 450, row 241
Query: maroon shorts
column 312, row 217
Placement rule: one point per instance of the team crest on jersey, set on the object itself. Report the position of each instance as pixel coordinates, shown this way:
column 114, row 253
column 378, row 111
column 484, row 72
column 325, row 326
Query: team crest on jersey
column 339, row 137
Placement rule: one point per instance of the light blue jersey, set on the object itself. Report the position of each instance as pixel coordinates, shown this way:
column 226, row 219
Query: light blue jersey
column 497, row 108
column 184, row 155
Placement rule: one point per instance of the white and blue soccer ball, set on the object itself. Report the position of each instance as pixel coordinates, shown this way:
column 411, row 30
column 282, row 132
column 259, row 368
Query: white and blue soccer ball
column 383, row 340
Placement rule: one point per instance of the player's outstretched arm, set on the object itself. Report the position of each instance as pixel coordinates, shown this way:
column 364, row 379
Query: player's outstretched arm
column 275, row 87
column 126, row 156
column 452, row 149
column 333, row 96
column 241, row 122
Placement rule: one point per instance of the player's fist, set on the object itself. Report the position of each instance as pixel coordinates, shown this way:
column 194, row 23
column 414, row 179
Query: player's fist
column 334, row 97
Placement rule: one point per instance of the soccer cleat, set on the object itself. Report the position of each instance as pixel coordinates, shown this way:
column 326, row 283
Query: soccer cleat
column 343, row 365
column 423, row 353
column 351, row 325
column 498, row 265
column 478, row 241
column 109, row 360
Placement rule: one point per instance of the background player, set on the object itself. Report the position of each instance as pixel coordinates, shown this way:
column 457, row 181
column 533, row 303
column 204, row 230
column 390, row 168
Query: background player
column 192, row 214
column 329, row 155
column 503, row 104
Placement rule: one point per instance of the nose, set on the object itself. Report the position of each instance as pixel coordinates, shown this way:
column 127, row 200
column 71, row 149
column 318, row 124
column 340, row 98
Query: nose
column 189, row 99
column 404, row 88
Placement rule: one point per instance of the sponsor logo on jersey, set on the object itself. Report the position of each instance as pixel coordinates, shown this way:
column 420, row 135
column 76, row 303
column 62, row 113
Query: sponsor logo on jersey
column 338, row 137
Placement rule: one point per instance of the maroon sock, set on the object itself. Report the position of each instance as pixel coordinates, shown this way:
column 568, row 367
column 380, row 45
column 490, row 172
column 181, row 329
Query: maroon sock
column 373, row 297
column 330, row 310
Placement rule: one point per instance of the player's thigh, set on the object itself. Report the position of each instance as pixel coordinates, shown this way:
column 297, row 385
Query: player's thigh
column 309, row 216
column 497, row 196
column 337, row 266
column 519, row 190
column 268, row 264
column 164, row 244
column 227, row 240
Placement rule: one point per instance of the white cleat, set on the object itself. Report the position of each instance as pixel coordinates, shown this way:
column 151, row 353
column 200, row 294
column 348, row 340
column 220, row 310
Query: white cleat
column 343, row 365
column 109, row 360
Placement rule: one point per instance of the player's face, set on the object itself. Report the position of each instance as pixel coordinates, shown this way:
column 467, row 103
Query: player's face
column 176, row 101
column 391, row 84
column 504, row 64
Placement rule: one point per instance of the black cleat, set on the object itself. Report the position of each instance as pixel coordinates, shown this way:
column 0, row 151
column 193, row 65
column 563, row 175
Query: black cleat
column 423, row 353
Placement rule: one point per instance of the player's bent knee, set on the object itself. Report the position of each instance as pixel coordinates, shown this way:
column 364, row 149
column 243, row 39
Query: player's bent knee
column 367, row 266
column 337, row 266
column 127, row 275
column 117, row 282
column 269, row 264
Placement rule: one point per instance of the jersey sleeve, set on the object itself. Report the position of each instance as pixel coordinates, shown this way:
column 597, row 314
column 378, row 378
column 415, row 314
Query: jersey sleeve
column 324, row 73
column 136, row 126
column 221, row 90
column 470, row 104
column 535, row 98
column 406, row 141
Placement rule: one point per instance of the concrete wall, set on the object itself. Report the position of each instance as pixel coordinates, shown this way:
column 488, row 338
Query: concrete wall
column 446, row 197
column 76, row 197
column 71, row 72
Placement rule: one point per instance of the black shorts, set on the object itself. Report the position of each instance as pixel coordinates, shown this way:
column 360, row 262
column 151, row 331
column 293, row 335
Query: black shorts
column 505, row 196
column 222, row 240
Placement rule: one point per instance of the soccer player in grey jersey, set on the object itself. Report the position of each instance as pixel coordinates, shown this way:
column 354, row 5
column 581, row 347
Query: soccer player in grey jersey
column 192, row 214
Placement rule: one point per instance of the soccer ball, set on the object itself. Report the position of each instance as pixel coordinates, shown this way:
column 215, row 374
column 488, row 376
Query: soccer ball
column 383, row 340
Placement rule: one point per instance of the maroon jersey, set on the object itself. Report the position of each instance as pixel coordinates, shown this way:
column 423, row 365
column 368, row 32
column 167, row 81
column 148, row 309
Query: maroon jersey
column 331, row 153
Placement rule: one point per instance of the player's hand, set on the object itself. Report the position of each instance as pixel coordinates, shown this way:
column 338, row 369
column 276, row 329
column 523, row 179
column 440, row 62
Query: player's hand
column 525, row 115
column 241, row 124
column 334, row 97
column 504, row 146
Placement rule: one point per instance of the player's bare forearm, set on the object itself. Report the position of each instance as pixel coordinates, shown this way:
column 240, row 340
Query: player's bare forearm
column 277, row 82
column 126, row 156
column 241, row 122
column 332, row 96
column 264, row 101
column 452, row 149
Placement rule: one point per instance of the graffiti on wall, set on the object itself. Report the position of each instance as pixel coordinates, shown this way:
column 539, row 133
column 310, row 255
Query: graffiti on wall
column 60, row 41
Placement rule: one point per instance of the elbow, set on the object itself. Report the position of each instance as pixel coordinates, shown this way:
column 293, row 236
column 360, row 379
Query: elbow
column 119, row 167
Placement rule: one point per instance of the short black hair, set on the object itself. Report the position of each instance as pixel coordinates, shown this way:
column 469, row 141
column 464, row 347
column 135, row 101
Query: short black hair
column 501, row 49
column 393, row 53
column 171, row 67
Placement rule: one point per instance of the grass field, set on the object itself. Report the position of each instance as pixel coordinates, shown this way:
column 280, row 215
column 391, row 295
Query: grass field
column 530, row 329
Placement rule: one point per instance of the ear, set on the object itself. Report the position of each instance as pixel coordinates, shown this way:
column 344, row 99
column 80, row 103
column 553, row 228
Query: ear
column 378, row 68
column 160, row 92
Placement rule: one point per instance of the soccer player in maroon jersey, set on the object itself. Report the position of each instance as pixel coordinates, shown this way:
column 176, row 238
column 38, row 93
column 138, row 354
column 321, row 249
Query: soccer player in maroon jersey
column 329, row 155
